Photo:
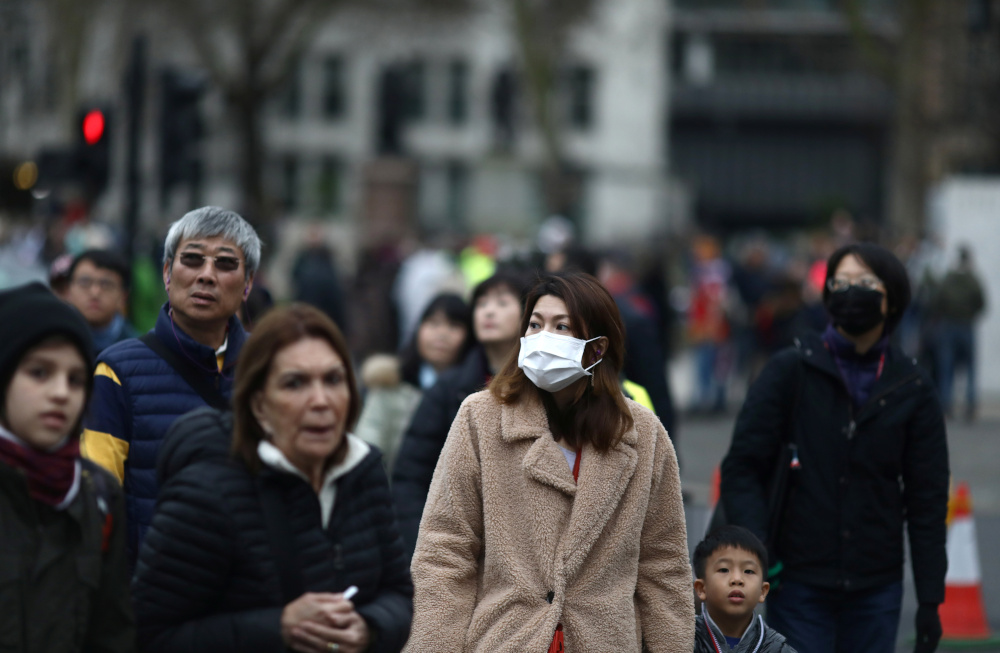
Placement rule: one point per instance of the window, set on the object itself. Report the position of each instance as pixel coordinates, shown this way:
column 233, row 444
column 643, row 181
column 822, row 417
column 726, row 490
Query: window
column 458, row 91
column 580, row 83
column 458, row 184
column 290, row 97
column 334, row 88
column 416, row 90
column 290, row 182
column 328, row 185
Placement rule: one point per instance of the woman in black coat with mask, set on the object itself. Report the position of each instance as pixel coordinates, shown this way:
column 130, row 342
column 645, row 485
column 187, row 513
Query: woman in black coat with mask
column 868, row 455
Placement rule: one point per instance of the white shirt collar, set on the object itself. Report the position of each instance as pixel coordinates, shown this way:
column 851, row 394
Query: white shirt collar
column 357, row 449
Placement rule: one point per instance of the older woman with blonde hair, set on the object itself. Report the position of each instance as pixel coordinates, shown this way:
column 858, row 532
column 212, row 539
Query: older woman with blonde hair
column 275, row 528
column 554, row 519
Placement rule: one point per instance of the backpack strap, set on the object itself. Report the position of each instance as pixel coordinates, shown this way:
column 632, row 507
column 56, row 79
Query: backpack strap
column 194, row 377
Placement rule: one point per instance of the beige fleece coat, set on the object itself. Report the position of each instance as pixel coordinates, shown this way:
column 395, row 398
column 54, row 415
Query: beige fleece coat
column 510, row 545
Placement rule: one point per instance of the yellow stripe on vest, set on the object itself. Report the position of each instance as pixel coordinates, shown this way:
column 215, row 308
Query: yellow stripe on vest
column 103, row 369
column 106, row 450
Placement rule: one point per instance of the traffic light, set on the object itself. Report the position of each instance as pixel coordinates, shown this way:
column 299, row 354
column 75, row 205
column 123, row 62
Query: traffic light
column 93, row 149
column 181, row 127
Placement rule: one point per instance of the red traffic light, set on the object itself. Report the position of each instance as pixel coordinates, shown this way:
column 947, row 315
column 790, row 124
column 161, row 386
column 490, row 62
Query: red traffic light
column 93, row 126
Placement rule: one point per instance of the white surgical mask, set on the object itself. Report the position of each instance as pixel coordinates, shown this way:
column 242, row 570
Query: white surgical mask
column 553, row 362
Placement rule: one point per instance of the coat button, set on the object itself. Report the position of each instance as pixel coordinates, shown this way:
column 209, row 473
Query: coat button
column 843, row 480
column 551, row 595
column 846, row 534
column 881, row 402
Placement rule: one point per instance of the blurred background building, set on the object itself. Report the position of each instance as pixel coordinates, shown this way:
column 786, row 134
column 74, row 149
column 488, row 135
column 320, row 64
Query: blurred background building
column 790, row 125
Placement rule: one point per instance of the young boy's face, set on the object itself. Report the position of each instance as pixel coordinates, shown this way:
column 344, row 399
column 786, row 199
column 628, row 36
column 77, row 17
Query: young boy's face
column 732, row 587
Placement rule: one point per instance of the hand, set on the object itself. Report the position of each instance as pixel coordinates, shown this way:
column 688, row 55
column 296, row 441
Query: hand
column 314, row 621
column 352, row 636
column 928, row 628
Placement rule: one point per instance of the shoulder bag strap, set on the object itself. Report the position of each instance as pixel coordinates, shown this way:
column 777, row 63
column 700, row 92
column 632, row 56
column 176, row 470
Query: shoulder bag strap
column 787, row 462
column 279, row 537
column 193, row 377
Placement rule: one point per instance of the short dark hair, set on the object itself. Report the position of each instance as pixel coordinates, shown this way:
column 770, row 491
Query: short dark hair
column 737, row 537
column 456, row 311
column 105, row 260
column 508, row 278
column 278, row 329
column 890, row 271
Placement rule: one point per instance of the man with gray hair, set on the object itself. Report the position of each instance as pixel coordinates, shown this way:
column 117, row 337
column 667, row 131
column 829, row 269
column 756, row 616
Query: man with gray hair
column 186, row 361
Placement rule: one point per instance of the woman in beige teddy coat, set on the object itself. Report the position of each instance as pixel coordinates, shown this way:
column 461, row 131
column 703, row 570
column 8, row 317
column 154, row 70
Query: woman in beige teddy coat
column 555, row 516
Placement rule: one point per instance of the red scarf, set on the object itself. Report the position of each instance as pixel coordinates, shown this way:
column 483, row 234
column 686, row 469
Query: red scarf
column 50, row 474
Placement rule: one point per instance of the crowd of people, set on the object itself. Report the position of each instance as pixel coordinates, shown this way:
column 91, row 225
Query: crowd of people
column 500, row 474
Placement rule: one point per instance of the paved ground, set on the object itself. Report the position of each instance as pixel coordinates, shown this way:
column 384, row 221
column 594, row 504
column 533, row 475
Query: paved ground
column 975, row 457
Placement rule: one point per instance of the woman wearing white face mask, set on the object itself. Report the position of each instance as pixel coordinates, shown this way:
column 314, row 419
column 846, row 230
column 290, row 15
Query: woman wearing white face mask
column 554, row 520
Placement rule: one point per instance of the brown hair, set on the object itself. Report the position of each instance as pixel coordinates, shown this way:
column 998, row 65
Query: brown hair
column 598, row 413
column 278, row 329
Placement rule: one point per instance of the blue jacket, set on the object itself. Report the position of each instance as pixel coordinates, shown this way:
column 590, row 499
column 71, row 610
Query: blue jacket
column 137, row 396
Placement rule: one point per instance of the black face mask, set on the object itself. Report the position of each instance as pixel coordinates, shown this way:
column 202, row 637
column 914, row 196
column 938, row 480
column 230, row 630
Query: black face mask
column 856, row 310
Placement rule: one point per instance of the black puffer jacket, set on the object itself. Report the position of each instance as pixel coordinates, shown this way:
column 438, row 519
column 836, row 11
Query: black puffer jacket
column 424, row 438
column 863, row 472
column 206, row 579
column 759, row 638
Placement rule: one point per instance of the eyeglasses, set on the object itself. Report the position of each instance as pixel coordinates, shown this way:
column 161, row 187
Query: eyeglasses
column 105, row 285
column 222, row 263
column 867, row 282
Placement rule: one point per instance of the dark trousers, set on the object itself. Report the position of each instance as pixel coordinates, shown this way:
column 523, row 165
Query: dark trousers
column 956, row 347
column 818, row 620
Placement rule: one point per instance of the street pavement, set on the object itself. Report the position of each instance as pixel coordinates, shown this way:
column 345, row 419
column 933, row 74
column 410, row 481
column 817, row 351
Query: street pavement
column 974, row 451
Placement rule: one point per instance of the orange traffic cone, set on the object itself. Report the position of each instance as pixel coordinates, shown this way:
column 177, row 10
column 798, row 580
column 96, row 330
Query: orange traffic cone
column 963, row 618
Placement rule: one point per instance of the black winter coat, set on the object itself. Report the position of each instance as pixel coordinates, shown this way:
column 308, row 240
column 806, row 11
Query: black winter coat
column 206, row 578
column 772, row 642
column 424, row 438
column 864, row 473
column 61, row 590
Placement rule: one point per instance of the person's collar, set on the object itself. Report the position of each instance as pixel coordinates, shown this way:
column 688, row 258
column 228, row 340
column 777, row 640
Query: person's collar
column 272, row 456
column 113, row 328
column 842, row 347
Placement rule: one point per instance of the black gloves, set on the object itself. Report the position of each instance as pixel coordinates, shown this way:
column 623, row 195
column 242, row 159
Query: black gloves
column 928, row 628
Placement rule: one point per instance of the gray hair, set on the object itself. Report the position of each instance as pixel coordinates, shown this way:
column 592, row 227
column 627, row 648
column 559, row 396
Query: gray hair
column 212, row 221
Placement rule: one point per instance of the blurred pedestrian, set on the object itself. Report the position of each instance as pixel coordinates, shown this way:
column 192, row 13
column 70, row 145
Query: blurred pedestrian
column 855, row 428
column 422, row 275
column 269, row 515
column 496, row 315
column 143, row 384
column 395, row 384
column 62, row 520
column 316, row 279
column 98, row 287
column 644, row 359
column 708, row 324
column 957, row 301
column 554, row 520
